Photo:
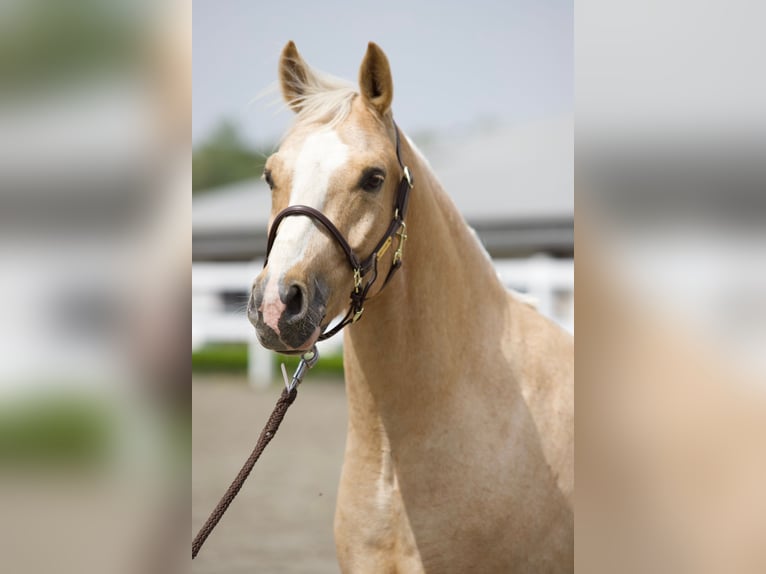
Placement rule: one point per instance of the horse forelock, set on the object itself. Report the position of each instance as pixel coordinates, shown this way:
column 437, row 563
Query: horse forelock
column 325, row 102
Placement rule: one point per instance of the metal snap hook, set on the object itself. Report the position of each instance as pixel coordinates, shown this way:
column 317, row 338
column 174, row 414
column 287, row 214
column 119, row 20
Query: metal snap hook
column 308, row 360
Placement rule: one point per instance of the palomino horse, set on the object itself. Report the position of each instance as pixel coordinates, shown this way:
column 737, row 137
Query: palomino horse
column 459, row 454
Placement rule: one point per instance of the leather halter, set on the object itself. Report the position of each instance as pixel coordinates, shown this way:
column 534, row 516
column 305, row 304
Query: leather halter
column 361, row 268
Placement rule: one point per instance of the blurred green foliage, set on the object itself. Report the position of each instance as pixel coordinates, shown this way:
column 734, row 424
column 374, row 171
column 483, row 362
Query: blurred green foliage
column 232, row 358
column 55, row 431
column 44, row 43
column 220, row 358
column 225, row 158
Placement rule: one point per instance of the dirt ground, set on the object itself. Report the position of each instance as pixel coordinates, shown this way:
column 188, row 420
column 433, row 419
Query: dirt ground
column 281, row 521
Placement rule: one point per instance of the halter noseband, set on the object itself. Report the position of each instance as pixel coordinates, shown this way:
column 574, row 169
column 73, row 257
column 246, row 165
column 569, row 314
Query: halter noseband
column 370, row 264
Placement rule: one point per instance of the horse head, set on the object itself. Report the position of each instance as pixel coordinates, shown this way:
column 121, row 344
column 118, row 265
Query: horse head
column 340, row 160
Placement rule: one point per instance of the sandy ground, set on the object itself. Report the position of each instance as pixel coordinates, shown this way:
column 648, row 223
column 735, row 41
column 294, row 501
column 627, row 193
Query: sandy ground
column 281, row 521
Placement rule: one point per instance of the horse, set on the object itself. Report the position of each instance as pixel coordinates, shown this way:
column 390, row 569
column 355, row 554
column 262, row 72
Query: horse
column 459, row 452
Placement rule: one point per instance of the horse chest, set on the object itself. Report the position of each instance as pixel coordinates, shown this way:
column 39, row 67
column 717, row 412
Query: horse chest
column 372, row 530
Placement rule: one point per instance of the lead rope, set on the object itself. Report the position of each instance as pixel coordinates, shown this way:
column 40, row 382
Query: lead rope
column 289, row 393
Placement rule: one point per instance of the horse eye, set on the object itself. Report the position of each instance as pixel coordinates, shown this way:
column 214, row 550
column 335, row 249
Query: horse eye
column 267, row 178
column 373, row 182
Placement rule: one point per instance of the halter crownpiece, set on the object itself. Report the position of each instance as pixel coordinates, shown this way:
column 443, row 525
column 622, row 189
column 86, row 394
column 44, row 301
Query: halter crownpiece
column 397, row 228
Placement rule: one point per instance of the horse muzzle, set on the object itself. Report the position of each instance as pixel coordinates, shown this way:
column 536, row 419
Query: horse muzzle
column 287, row 314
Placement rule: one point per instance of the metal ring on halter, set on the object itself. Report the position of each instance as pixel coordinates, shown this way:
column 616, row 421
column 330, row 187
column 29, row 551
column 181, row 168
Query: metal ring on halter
column 408, row 176
column 308, row 360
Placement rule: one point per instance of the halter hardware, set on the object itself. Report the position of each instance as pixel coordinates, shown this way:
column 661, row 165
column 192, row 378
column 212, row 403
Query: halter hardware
column 406, row 170
column 397, row 228
column 402, row 234
column 384, row 247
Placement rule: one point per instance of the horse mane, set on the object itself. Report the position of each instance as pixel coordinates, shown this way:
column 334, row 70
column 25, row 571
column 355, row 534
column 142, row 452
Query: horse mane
column 324, row 98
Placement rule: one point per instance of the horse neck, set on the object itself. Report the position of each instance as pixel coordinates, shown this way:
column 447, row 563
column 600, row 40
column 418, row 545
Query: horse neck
column 444, row 302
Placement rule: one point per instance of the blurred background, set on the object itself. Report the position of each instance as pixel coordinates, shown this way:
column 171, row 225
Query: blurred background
column 95, row 203
column 671, row 287
column 486, row 92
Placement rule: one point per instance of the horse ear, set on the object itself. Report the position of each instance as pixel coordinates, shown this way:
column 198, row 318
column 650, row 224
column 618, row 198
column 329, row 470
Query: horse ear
column 294, row 76
column 375, row 83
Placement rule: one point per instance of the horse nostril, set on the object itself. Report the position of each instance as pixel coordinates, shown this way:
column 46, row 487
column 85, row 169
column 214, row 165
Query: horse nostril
column 294, row 300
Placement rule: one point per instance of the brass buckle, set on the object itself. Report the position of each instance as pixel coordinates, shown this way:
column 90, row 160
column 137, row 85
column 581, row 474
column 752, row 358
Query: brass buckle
column 357, row 315
column 402, row 233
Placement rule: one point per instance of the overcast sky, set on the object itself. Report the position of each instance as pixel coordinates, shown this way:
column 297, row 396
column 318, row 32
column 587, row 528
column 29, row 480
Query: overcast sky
column 455, row 64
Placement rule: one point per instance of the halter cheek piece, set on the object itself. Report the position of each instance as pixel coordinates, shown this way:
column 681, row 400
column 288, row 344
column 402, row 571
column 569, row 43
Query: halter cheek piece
column 369, row 265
